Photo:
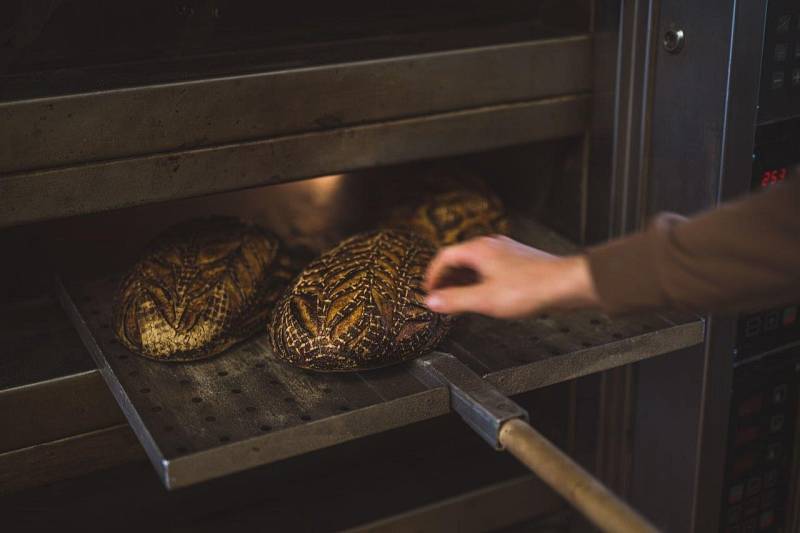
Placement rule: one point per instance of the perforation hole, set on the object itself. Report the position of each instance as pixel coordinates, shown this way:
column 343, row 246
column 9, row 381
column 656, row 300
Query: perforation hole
column 554, row 351
column 274, row 382
column 266, row 427
column 224, row 438
column 236, row 391
column 222, row 373
column 646, row 327
column 144, row 390
column 305, row 418
column 184, row 382
column 197, row 399
column 617, row 335
column 288, row 400
column 157, row 409
column 326, row 389
column 250, row 409
column 344, row 407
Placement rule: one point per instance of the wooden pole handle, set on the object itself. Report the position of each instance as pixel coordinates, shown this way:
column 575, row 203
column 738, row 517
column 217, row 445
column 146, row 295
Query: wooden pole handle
column 602, row 507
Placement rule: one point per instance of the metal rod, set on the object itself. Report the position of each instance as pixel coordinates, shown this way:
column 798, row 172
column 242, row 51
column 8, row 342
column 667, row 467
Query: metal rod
column 570, row 480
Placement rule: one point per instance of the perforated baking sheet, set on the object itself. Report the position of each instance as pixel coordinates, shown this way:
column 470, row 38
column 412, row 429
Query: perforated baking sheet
column 243, row 408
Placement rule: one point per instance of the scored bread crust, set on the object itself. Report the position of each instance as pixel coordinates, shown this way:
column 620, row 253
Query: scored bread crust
column 359, row 306
column 201, row 287
column 450, row 217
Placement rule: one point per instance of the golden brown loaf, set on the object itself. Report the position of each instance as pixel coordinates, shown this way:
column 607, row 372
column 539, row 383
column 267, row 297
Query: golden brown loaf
column 201, row 287
column 359, row 306
column 450, row 217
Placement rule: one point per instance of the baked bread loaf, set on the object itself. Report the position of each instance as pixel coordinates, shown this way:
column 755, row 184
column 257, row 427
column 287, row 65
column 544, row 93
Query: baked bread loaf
column 449, row 217
column 359, row 306
column 201, row 287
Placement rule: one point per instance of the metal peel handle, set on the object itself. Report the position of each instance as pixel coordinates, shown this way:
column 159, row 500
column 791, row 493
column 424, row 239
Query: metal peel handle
column 570, row 480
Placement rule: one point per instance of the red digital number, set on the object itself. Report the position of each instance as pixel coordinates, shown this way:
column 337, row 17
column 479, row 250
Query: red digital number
column 770, row 177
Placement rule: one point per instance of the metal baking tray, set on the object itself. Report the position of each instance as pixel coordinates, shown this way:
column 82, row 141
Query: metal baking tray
column 244, row 408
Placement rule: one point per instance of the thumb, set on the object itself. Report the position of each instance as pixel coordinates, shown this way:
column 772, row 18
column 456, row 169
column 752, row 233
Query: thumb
column 456, row 299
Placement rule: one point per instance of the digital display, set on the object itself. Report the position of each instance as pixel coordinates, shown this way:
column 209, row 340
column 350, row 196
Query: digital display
column 771, row 177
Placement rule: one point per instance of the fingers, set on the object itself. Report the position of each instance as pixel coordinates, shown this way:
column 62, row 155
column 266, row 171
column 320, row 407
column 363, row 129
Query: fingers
column 516, row 245
column 468, row 254
column 457, row 300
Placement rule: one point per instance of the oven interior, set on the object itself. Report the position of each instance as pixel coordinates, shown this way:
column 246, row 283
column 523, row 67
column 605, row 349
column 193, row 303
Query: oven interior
column 288, row 444
column 543, row 188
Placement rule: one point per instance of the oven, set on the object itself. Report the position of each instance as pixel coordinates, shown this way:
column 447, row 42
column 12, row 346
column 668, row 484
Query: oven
column 313, row 120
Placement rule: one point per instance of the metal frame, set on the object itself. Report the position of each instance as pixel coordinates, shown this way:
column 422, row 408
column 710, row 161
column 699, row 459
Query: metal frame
column 702, row 117
column 236, row 132
column 677, row 144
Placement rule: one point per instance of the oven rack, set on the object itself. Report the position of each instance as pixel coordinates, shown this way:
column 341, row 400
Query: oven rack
column 243, row 409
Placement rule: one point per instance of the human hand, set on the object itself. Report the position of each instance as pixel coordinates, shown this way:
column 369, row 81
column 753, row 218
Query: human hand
column 513, row 280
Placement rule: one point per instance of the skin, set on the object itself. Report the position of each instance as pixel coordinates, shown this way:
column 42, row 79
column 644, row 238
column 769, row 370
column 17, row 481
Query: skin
column 513, row 280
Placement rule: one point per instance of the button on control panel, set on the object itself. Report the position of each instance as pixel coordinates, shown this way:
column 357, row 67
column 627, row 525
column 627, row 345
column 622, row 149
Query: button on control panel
column 781, row 50
column 777, row 79
column 761, row 440
column 780, row 71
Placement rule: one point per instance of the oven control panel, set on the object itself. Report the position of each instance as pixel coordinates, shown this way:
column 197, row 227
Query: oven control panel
column 780, row 73
column 777, row 151
column 764, row 331
column 761, row 436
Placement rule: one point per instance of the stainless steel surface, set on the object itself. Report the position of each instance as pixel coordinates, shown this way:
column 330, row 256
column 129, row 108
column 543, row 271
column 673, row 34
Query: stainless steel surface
column 55, row 409
column 49, row 386
column 147, row 43
column 702, row 138
column 245, row 409
column 231, row 413
column 478, row 403
column 608, row 346
column 98, row 186
column 37, row 343
column 620, row 134
column 136, row 121
column 416, row 468
column 69, row 457
column 487, row 509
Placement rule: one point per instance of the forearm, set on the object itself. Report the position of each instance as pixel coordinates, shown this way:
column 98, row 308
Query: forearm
column 742, row 256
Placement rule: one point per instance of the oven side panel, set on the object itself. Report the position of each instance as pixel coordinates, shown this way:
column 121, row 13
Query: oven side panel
column 702, row 117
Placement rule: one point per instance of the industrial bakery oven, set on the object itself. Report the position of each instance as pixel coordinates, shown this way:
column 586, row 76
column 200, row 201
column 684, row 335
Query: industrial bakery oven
column 312, row 120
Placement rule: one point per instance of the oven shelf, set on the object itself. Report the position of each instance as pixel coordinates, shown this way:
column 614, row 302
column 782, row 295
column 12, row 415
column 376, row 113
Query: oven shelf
column 243, row 409
column 158, row 142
